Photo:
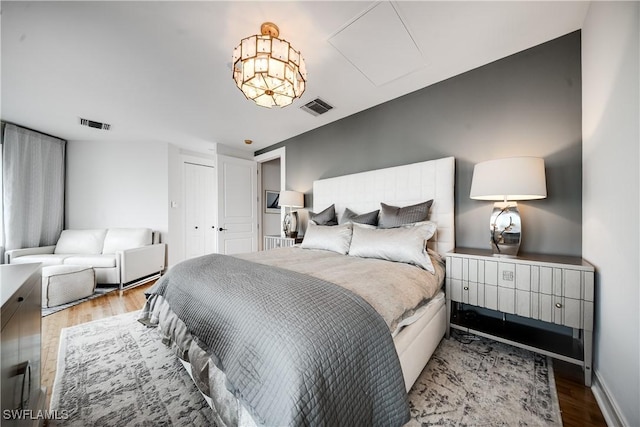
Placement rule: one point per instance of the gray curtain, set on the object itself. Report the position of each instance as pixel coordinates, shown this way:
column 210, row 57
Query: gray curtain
column 33, row 175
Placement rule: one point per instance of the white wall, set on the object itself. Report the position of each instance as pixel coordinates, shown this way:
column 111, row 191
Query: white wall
column 271, row 224
column 117, row 184
column 611, row 199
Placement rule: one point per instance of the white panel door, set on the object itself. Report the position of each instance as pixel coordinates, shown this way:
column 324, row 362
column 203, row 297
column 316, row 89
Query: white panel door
column 237, row 205
column 200, row 210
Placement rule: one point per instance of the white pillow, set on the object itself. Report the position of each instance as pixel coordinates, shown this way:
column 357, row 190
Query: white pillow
column 121, row 239
column 80, row 242
column 403, row 244
column 335, row 238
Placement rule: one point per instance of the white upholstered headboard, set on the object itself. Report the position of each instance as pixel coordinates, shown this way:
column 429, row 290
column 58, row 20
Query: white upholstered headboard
column 398, row 186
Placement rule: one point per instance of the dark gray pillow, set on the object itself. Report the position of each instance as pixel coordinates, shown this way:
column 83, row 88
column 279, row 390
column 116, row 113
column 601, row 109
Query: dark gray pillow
column 370, row 218
column 326, row 217
column 393, row 216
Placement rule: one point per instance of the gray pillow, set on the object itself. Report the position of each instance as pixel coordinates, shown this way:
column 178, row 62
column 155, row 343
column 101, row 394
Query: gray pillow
column 370, row 218
column 393, row 216
column 402, row 244
column 326, row 217
column 335, row 239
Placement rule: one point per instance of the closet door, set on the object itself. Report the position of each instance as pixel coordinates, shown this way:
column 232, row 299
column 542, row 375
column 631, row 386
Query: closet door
column 237, row 205
column 200, row 210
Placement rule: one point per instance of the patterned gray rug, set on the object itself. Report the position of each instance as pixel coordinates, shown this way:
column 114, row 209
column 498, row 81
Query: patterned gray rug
column 115, row 372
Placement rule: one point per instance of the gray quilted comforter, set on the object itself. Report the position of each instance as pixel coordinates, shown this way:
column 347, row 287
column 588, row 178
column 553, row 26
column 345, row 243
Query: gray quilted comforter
column 296, row 350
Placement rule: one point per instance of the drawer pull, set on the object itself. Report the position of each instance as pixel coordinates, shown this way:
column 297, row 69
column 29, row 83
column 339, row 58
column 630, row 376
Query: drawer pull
column 23, row 369
column 558, row 305
column 466, row 288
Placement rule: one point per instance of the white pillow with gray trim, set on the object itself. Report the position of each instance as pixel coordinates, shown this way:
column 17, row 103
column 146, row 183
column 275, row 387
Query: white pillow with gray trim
column 404, row 244
column 335, row 238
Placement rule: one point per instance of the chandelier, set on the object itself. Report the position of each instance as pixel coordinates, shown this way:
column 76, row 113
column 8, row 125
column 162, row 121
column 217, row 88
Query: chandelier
column 268, row 70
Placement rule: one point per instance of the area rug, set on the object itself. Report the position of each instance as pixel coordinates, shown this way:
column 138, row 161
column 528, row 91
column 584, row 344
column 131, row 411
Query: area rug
column 115, row 372
column 473, row 381
column 100, row 290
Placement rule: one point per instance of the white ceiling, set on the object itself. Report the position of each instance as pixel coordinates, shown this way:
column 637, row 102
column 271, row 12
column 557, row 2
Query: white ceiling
column 160, row 71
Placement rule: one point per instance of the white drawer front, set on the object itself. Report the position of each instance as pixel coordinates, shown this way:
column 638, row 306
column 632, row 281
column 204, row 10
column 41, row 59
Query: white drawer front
column 523, row 277
column 456, row 268
column 523, row 303
column 491, row 273
column 506, row 275
column 455, row 289
column 572, row 284
column 557, row 282
column 535, row 278
column 472, row 294
column 572, row 313
column 473, row 270
column 491, row 297
column 546, row 280
column 506, row 300
column 546, row 308
column 481, row 295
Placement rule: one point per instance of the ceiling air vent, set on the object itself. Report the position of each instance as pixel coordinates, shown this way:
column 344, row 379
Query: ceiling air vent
column 316, row 107
column 95, row 125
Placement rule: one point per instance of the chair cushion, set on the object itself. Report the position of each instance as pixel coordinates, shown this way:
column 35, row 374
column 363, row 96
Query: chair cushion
column 120, row 239
column 58, row 270
column 96, row 261
column 80, row 242
column 45, row 259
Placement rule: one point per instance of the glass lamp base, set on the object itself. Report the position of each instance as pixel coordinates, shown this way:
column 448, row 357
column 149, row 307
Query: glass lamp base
column 505, row 228
column 290, row 224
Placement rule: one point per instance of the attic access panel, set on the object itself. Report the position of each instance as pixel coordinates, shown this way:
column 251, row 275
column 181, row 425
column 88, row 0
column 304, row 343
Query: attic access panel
column 378, row 44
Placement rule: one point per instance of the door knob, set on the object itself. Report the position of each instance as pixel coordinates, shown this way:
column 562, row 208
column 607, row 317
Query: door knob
column 196, row 227
column 221, row 229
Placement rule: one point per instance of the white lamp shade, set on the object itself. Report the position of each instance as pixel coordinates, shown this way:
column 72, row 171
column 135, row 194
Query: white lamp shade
column 292, row 199
column 515, row 178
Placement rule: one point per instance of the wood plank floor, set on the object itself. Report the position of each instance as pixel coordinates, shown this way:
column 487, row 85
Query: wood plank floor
column 578, row 406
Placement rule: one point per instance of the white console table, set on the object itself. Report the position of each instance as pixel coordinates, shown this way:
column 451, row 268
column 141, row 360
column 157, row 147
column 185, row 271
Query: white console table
column 553, row 289
column 21, row 295
column 272, row 242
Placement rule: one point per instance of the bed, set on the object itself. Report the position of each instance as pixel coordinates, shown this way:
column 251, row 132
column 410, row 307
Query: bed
column 369, row 351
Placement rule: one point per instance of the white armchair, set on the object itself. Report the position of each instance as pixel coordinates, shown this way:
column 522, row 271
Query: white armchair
column 123, row 256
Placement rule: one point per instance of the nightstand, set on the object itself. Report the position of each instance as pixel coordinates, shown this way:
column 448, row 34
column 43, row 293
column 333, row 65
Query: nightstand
column 272, row 242
column 552, row 289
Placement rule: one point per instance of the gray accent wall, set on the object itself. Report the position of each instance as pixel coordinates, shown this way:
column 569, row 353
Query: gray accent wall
column 528, row 104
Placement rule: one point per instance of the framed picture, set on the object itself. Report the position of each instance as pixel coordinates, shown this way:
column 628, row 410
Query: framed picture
column 271, row 199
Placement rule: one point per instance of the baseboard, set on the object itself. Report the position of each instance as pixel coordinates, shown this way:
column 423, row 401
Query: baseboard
column 608, row 407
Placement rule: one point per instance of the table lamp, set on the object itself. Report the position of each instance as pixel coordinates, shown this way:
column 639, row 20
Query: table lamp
column 291, row 199
column 506, row 181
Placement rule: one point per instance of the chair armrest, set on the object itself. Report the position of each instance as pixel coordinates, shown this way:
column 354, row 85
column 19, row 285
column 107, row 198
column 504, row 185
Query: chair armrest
column 140, row 262
column 15, row 253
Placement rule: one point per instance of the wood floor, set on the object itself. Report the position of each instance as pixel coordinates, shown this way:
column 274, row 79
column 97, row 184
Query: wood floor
column 578, row 406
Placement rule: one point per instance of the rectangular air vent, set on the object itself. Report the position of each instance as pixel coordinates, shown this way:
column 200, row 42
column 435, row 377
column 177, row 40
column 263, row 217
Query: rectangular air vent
column 316, row 107
column 95, row 125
